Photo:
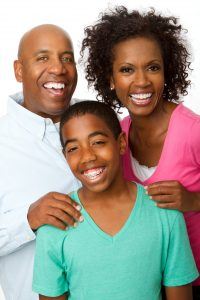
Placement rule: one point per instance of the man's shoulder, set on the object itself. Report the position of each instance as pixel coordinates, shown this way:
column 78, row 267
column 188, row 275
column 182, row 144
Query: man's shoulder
column 4, row 124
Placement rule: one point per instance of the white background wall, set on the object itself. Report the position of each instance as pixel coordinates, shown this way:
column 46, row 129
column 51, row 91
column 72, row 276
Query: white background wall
column 18, row 16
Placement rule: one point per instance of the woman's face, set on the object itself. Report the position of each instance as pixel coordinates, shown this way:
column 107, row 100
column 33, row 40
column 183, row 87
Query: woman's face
column 138, row 75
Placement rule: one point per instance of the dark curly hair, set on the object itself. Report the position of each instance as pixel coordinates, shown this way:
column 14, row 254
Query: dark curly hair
column 119, row 25
column 101, row 110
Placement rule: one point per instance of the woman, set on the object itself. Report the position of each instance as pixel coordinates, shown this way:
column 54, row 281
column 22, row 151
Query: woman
column 140, row 61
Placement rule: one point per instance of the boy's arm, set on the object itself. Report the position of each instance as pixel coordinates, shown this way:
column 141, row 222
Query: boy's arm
column 62, row 297
column 183, row 292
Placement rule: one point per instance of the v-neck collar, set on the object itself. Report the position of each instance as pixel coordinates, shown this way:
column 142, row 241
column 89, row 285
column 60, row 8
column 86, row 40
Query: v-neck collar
column 127, row 223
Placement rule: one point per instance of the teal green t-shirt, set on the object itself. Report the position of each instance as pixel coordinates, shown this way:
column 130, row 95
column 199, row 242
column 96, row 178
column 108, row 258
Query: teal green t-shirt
column 151, row 249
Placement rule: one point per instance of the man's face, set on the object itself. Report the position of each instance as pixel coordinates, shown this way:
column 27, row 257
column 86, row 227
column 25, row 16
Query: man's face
column 47, row 70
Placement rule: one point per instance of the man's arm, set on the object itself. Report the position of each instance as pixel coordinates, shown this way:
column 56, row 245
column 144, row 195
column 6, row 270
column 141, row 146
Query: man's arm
column 183, row 292
column 17, row 225
column 62, row 297
column 54, row 209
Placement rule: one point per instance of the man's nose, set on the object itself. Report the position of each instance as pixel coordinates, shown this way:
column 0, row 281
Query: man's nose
column 57, row 67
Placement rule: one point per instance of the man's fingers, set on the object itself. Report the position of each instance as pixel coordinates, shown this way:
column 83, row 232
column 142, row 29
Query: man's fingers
column 67, row 208
column 62, row 216
column 67, row 199
column 51, row 220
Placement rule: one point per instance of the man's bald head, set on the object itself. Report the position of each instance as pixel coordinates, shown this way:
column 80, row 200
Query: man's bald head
column 40, row 30
column 47, row 70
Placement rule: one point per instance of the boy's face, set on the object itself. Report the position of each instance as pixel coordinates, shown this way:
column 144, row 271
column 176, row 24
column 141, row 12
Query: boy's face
column 92, row 152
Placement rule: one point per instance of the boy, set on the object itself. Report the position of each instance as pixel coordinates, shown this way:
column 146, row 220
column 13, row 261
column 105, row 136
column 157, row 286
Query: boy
column 126, row 247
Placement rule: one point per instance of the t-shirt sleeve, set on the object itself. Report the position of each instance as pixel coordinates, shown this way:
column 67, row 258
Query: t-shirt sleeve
column 180, row 268
column 49, row 276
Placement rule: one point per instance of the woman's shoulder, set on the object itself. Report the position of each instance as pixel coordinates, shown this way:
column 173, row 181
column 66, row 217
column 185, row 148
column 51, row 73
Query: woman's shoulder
column 185, row 114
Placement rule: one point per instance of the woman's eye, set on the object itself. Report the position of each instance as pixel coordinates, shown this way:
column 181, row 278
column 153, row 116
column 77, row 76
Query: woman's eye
column 154, row 68
column 126, row 70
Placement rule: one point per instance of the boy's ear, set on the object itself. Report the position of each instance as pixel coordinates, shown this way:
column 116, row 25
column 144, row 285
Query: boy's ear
column 18, row 70
column 122, row 143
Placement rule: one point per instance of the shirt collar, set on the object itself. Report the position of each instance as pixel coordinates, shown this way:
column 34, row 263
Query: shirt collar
column 32, row 122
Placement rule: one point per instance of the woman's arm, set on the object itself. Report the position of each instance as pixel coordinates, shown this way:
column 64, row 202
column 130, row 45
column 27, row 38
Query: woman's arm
column 62, row 297
column 172, row 195
column 183, row 292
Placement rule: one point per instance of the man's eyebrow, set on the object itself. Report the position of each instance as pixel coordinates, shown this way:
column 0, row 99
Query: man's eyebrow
column 93, row 134
column 44, row 51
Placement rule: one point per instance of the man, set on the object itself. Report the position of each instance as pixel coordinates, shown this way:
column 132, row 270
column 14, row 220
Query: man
column 33, row 177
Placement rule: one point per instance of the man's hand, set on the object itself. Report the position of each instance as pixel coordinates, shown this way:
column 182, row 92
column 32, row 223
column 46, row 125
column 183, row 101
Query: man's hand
column 54, row 209
column 172, row 195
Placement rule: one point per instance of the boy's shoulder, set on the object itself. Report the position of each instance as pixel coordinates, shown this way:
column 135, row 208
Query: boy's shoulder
column 167, row 216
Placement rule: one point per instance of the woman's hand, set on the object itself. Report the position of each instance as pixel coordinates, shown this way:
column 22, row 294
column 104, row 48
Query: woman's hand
column 172, row 195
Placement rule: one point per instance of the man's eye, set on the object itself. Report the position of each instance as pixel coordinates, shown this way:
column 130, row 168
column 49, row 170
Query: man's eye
column 42, row 58
column 67, row 59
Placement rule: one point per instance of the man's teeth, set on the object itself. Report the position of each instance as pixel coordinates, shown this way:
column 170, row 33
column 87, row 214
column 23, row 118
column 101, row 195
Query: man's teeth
column 141, row 96
column 93, row 173
column 54, row 85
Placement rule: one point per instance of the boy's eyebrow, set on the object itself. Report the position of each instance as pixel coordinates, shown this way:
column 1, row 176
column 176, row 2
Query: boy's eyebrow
column 89, row 136
column 98, row 133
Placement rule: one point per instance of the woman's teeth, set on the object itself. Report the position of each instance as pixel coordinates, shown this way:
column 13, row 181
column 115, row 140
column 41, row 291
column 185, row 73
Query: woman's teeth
column 141, row 99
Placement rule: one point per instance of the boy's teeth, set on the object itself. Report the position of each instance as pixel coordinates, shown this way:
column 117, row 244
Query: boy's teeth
column 141, row 96
column 93, row 173
column 54, row 85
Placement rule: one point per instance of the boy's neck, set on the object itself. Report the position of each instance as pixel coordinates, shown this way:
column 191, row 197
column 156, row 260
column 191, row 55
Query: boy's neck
column 110, row 209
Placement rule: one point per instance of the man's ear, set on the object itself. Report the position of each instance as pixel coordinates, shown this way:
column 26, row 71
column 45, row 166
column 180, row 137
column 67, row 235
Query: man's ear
column 18, row 70
column 122, row 142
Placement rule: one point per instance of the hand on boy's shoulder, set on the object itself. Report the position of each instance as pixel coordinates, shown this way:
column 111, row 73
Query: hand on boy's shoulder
column 171, row 194
column 54, row 209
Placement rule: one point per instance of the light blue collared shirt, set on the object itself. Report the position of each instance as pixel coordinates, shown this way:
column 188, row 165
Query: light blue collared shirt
column 31, row 165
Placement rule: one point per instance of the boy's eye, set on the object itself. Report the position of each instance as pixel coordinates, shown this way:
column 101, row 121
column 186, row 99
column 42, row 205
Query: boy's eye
column 98, row 143
column 71, row 149
column 126, row 70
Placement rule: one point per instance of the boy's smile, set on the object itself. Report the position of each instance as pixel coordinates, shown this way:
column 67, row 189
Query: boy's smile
column 92, row 152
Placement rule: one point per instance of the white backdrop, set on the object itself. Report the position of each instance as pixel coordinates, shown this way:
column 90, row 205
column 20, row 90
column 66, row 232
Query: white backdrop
column 18, row 16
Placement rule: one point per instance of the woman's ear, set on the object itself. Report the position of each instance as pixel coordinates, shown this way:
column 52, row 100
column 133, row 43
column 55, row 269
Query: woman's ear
column 112, row 86
column 18, row 70
column 122, row 142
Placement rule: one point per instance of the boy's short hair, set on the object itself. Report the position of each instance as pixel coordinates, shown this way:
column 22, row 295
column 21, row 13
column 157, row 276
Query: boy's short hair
column 99, row 109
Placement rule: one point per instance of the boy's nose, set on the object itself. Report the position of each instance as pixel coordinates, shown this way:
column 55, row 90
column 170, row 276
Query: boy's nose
column 88, row 155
